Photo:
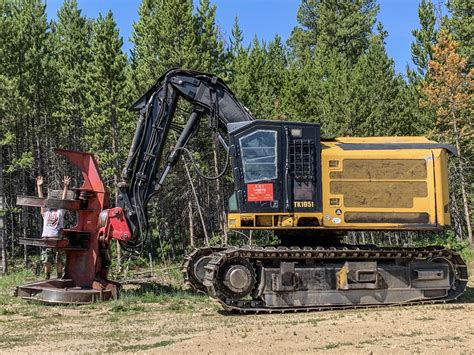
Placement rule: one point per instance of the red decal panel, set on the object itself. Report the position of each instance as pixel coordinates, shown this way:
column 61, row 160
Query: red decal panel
column 259, row 192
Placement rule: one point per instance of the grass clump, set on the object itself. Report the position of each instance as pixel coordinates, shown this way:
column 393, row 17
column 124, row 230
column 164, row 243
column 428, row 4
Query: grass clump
column 9, row 282
column 121, row 307
column 334, row 346
column 143, row 347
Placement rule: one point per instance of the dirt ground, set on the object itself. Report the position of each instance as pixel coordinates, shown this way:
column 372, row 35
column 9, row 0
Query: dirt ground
column 184, row 323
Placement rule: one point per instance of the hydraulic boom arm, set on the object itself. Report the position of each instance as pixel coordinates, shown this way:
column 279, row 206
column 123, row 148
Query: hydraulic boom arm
column 142, row 176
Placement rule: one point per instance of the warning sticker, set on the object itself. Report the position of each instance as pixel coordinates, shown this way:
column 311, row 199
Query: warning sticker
column 259, row 192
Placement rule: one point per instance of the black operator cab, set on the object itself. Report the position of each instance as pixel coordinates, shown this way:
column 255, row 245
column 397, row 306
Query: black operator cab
column 276, row 167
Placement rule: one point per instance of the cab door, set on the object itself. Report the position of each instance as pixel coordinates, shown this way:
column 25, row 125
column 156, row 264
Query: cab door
column 259, row 177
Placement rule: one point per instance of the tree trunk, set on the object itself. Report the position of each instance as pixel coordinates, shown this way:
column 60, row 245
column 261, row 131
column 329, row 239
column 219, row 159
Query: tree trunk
column 219, row 200
column 456, row 221
column 3, row 232
column 206, row 239
column 191, row 226
column 24, row 223
column 462, row 176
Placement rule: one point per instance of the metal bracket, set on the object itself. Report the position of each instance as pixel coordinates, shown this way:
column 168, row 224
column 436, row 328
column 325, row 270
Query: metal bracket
column 286, row 279
column 358, row 276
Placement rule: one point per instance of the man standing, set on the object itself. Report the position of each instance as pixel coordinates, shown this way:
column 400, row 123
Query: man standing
column 53, row 222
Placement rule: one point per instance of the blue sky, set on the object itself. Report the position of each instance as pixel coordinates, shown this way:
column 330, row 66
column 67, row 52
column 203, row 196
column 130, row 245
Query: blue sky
column 265, row 18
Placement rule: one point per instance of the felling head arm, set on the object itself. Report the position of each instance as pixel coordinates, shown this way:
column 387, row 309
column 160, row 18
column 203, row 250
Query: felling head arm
column 112, row 223
column 89, row 167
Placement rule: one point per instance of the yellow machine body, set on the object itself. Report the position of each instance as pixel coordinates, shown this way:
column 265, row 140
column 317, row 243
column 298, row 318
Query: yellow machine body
column 370, row 189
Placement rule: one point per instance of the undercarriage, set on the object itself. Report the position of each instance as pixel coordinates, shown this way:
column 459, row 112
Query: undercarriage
column 282, row 279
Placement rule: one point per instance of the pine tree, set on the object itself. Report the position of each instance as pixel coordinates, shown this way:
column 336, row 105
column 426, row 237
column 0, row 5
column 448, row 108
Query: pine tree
column 333, row 25
column 275, row 68
column 212, row 58
column 461, row 24
column 8, row 110
column 448, row 91
column 331, row 93
column 297, row 104
column 419, row 120
column 326, row 49
column 251, row 76
column 259, row 76
column 411, row 120
column 239, row 57
column 28, row 88
column 425, row 37
column 164, row 38
column 236, row 39
column 376, row 88
column 71, row 35
column 108, row 125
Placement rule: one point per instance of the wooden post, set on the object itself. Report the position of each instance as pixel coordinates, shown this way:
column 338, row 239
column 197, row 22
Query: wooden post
column 151, row 265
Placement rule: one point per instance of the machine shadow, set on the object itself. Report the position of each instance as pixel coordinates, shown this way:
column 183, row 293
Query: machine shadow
column 467, row 296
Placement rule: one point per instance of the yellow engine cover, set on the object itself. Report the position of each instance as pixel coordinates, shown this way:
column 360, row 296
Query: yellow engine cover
column 384, row 189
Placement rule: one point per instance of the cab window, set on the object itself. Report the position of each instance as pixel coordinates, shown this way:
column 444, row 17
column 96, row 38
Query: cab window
column 259, row 155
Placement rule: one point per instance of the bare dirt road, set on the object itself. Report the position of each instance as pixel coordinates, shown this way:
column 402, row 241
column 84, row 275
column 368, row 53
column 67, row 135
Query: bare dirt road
column 177, row 322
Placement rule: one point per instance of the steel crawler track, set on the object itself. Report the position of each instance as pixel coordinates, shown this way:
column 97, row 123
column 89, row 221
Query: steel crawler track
column 218, row 258
column 188, row 267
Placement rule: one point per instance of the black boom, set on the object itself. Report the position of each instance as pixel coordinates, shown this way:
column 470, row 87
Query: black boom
column 142, row 177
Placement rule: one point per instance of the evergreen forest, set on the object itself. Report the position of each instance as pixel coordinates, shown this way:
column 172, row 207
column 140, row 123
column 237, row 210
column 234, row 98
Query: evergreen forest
column 68, row 83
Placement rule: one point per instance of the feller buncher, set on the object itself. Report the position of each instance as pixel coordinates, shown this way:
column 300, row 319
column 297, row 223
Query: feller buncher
column 307, row 190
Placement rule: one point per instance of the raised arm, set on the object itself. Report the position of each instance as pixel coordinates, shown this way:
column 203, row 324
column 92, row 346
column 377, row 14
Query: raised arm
column 39, row 189
column 67, row 182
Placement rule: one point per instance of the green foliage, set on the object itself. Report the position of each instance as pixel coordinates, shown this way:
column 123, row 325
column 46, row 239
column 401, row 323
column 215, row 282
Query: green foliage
column 376, row 89
column 108, row 124
column 331, row 25
column 68, row 84
column 353, row 89
column 8, row 284
column 164, row 38
column 425, row 37
column 258, row 73
column 362, row 99
column 330, row 93
column 26, row 76
column 7, row 139
column 448, row 240
column 236, row 39
column 25, row 161
column 71, row 36
column 421, row 52
column 210, row 46
column 461, row 23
